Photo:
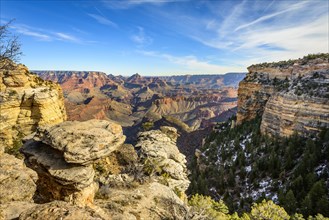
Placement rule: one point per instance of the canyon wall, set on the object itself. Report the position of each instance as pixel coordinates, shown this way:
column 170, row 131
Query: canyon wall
column 27, row 102
column 290, row 96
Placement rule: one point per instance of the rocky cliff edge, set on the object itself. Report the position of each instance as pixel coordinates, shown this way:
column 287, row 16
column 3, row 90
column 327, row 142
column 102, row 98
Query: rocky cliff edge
column 290, row 96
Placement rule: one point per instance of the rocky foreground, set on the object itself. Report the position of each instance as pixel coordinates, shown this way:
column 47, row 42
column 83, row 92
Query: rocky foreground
column 82, row 170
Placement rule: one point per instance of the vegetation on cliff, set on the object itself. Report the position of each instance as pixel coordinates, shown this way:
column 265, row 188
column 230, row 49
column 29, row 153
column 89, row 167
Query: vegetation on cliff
column 286, row 63
column 241, row 166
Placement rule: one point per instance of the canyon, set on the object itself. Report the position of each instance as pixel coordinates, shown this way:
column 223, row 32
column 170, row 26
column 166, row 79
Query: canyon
column 277, row 146
column 196, row 100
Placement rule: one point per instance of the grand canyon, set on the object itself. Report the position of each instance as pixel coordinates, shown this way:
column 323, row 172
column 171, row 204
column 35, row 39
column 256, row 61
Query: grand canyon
column 183, row 110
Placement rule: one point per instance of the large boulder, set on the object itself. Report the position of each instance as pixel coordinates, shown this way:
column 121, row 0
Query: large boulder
column 63, row 157
column 82, row 142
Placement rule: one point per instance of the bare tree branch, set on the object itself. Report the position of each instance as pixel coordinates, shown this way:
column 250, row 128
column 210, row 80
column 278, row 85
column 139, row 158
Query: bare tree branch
column 10, row 47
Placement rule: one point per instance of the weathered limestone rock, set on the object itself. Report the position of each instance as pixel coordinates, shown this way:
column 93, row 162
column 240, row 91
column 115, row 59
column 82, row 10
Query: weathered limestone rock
column 12, row 210
column 60, row 210
column 82, row 142
column 161, row 156
column 62, row 156
column 27, row 101
column 147, row 201
column 17, row 182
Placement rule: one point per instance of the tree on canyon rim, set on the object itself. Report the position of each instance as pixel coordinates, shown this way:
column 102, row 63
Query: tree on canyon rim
column 10, row 47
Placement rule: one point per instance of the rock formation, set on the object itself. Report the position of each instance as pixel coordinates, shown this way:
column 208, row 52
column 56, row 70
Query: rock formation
column 290, row 96
column 59, row 210
column 26, row 101
column 17, row 186
column 62, row 156
column 154, row 185
column 285, row 114
column 160, row 156
column 96, row 176
column 147, row 201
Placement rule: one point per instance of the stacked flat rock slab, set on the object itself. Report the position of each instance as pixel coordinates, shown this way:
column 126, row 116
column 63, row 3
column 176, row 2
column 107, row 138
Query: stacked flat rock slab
column 63, row 156
column 158, row 149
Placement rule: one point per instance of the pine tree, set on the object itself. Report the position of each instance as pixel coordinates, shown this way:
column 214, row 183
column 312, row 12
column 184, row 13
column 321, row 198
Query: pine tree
column 290, row 202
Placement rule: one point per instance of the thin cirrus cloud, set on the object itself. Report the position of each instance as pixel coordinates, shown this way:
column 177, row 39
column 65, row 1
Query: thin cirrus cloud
column 190, row 62
column 26, row 30
column 141, row 38
column 66, row 37
column 288, row 30
column 102, row 20
column 294, row 7
column 45, row 35
column 126, row 4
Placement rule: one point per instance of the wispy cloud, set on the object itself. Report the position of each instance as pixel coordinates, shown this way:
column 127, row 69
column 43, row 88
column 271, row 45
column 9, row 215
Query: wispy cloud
column 67, row 37
column 46, row 35
column 140, row 38
column 287, row 30
column 103, row 20
column 126, row 4
column 26, row 30
column 275, row 14
column 190, row 63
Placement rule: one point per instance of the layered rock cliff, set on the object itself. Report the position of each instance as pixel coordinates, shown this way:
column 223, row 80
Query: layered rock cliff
column 290, row 96
column 26, row 102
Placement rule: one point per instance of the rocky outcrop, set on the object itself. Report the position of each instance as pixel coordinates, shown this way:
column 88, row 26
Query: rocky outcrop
column 148, row 201
column 60, row 210
column 290, row 96
column 17, row 182
column 17, row 187
column 62, row 156
column 161, row 157
column 27, row 101
column 252, row 99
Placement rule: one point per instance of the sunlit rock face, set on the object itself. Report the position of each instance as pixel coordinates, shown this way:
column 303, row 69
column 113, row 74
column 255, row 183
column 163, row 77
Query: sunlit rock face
column 290, row 96
column 27, row 101
column 63, row 156
column 158, row 150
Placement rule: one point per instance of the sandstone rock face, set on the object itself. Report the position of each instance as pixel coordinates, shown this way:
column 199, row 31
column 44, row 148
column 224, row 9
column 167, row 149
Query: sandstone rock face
column 290, row 96
column 252, row 99
column 59, row 210
column 286, row 113
column 12, row 210
column 147, row 201
column 62, row 156
column 161, row 156
column 17, row 182
column 26, row 102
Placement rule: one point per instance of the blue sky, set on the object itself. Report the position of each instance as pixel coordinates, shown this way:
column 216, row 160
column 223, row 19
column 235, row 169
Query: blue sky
column 165, row 37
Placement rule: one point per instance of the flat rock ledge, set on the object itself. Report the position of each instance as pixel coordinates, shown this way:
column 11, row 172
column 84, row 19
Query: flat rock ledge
column 63, row 157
